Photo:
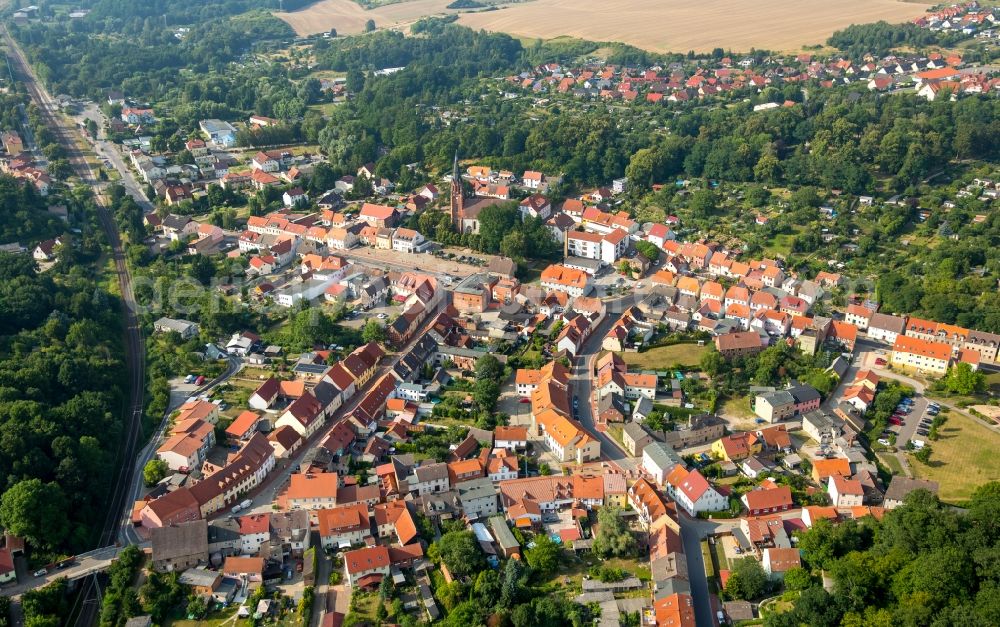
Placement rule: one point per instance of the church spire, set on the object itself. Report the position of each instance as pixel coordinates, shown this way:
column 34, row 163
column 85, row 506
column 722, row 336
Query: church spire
column 457, row 200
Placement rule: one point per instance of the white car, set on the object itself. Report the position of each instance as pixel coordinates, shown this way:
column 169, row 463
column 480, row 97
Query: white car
column 884, row 442
column 382, row 316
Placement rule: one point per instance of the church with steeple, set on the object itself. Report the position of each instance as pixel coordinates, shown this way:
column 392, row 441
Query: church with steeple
column 465, row 212
column 457, row 197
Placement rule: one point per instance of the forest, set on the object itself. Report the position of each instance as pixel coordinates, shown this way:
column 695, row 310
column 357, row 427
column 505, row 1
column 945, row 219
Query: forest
column 61, row 370
column 923, row 564
column 144, row 61
column 879, row 38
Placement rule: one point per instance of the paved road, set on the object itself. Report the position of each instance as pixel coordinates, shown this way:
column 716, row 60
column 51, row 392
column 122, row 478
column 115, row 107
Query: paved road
column 127, row 533
column 87, row 564
column 132, row 185
column 322, row 586
column 276, row 480
column 134, row 345
column 692, row 530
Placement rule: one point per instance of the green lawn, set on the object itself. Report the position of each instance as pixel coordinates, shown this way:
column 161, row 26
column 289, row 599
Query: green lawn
column 738, row 407
column 891, row 462
column 720, row 556
column 665, row 357
column 963, row 458
column 326, row 108
column 227, row 618
column 572, row 569
column 993, row 381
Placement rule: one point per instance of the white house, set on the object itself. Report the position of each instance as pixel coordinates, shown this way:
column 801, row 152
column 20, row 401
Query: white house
column 407, row 241
column 255, row 530
column 693, row 492
column 845, row 492
column 295, row 197
column 532, row 179
column 658, row 459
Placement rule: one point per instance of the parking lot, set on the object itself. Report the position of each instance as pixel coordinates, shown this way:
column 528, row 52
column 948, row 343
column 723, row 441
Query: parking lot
column 918, row 411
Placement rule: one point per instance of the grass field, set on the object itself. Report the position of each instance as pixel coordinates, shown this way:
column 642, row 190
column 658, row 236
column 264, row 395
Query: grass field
column 658, row 25
column 325, row 108
column 962, row 459
column 663, row 357
column 738, row 407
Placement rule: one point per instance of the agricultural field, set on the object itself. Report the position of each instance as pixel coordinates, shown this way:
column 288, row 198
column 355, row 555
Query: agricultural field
column 656, row 25
column 349, row 18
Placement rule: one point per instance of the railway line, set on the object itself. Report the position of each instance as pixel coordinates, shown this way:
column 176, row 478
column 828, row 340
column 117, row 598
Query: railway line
column 88, row 599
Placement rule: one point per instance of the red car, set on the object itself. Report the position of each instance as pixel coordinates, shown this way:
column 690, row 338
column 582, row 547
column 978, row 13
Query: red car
column 524, row 400
column 200, row 380
column 879, row 362
column 895, row 421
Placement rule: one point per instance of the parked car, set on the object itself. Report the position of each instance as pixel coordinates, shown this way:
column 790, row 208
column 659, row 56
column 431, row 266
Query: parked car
column 922, row 432
column 200, row 380
column 189, row 379
column 880, row 362
column 41, row 572
column 895, row 421
column 884, row 442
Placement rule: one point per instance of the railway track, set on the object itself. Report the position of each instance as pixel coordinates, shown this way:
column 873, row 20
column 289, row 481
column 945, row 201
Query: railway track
column 88, row 600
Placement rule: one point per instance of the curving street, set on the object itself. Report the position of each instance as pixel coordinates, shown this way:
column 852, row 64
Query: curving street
column 693, row 530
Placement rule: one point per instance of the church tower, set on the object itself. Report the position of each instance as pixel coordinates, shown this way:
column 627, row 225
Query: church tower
column 457, row 198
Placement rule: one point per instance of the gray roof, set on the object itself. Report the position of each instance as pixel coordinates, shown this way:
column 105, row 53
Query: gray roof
column 199, row 577
column 778, row 398
column 900, row 486
column 476, row 489
column 283, row 523
column 636, row 431
column 181, row 540
column 839, row 366
column 643, row 406
column 431, row 472
column 583, row 262
column 504, row 537
column 885, row 322
column 174, row 324
column 663, row 455
column 804, row 393
column 173, row 221
column 225, row 530
column 612, row 400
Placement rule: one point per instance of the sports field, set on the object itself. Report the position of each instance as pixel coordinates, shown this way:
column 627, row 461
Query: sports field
column 657, row 25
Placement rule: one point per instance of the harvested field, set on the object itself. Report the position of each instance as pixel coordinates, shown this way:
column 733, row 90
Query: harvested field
column 349, row 18
column 657, row 25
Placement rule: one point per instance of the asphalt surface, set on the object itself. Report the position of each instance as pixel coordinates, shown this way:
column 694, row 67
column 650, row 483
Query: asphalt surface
column 270, row 487
column 692, row 530
column 134, row 345
column 127, row 533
